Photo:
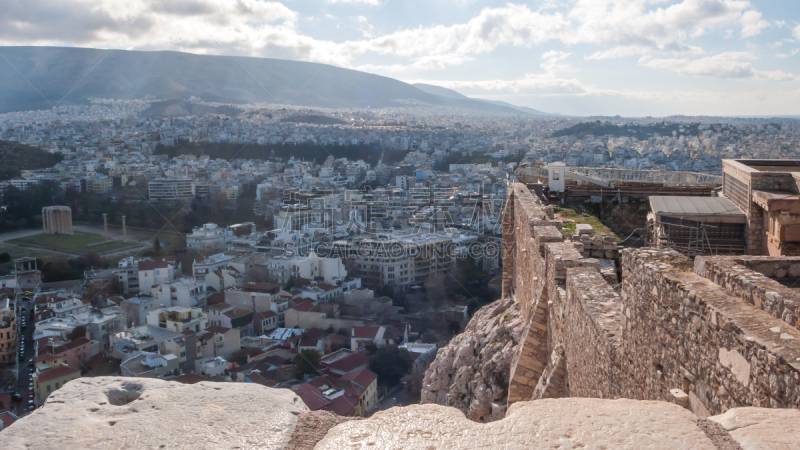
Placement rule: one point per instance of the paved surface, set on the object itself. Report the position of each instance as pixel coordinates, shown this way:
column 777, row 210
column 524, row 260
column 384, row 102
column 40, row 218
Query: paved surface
column 25, row 369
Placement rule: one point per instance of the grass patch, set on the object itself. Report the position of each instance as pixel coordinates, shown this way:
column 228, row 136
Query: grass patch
column 75, row 243
column 568, row 229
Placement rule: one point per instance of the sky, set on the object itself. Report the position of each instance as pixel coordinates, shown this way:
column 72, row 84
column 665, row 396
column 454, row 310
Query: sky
column 578, row 57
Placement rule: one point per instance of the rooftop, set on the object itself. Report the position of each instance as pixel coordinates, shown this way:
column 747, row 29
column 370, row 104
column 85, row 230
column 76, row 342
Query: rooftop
column 713, row 209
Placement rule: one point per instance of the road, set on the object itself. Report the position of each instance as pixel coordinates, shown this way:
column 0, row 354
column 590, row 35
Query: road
column 25, row 369
column 395, row 397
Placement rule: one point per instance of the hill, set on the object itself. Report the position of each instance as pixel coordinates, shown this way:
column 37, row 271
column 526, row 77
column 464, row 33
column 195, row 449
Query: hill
column 641, row 132
column 14, row 158
column 440, row 91
column 449, row 93
column 179, row 108
column 74, row 75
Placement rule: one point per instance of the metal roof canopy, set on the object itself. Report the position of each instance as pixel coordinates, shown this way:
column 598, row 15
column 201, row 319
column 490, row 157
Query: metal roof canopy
column 701, row 209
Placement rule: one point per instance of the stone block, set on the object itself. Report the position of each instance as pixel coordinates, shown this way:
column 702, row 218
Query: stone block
column 762, row 428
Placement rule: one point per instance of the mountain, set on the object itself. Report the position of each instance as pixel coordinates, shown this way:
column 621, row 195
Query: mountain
column 440, row 91
column 40, row 77
column 524, row 109
column 449, row 93
column 176, row 107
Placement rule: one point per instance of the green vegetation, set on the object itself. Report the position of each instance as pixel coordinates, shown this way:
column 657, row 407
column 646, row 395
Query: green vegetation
column 641, row 132
column 314, row 119
column 76, row 243
column 368, row 152
column 14, row 158
column 568, row 229
column 306, row 363
column 390, row 363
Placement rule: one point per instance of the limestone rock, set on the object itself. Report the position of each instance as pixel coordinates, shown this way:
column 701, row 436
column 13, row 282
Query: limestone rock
column 567, row 423
column 116, row 412
column 471, row 372
column 762, row 428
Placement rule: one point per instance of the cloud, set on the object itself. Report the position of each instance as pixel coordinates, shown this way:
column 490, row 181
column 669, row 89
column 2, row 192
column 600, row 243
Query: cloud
column 796, row 32
column 628, row 27
column 752, row 23
column 366, row 2
column 622, row 28
column 539, row 85
column 724, row 65
column 242, row 27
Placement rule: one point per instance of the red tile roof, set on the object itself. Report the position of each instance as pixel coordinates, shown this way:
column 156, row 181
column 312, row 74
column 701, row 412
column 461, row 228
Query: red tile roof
column 365, row 332
column 71, row 345
column 348, row 363
column 56, row 372
column 363, row 377
column 264, row 315
column 152, row 265
column 215, row 299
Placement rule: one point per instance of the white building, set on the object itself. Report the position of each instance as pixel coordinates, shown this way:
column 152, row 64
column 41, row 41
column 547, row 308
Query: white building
column 208, row 238
column 186, row 292
column 172, row 189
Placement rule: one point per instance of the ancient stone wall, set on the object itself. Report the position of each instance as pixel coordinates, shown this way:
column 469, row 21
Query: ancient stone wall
column 751, row 278
column 685, row 332
column 711, row 334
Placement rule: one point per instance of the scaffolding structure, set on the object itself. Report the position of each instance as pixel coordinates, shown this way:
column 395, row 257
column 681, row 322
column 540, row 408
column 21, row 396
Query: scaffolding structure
column 691, row 238
column 607, row 175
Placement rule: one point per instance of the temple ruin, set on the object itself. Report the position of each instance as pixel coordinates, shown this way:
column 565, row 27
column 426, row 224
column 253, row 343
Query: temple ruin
column 57, row 219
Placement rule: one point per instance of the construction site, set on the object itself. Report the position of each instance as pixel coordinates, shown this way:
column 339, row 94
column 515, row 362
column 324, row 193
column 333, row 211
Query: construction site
column 749, row 209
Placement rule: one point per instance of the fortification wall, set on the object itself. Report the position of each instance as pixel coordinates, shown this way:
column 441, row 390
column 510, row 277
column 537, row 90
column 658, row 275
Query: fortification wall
column 710, row 334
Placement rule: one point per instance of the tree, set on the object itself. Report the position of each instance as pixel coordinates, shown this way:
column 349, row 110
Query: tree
column 289, row 284
column 156, row 246
column 306, row 363
column 390, row 363
column 5, row 257
column 77, row 333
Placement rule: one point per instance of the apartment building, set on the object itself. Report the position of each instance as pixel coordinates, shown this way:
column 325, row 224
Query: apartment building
column 208, row 238
column 186, row 292
column 400, row 261
column 171, row 189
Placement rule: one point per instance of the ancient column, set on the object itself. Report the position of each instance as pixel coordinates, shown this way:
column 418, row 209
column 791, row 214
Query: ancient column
column 124, row 231
column 44, row 219
column 105, row 225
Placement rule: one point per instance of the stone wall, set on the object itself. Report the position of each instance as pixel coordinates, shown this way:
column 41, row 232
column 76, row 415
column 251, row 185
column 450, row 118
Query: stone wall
column 685, row 332
column 751, row 278
column 712, row 339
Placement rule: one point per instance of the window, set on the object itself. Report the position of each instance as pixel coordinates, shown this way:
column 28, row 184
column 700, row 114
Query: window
column 48, row 388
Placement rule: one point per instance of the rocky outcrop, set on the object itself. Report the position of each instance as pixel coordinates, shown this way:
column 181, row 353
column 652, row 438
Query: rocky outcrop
column 471, row 372
column 143, row 413
column 567, row 423
column 116, row 412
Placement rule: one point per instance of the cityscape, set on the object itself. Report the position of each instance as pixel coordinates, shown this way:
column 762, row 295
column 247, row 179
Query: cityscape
column 317, row 242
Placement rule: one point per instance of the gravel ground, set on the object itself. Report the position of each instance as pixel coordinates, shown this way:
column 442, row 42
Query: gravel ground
column 312, row 427
column 718, row 435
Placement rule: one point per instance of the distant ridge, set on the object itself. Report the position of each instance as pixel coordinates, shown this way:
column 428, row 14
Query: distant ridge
column 449, row 93
column 78, row 74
